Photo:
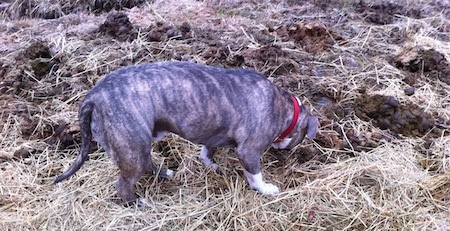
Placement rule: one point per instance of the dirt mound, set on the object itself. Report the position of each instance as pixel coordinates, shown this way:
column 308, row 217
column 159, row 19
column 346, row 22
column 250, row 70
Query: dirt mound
column 419, row 60
column 65, row 134
column 383, row 13
column 343, row 140
column 274, row 58
column 216, row 49
column 226, row 54
column 27, row 82
column 387, row 113
column 36, row 59
column 162, row 32
column 312, row 37
column 41, row 60
column 118, row 26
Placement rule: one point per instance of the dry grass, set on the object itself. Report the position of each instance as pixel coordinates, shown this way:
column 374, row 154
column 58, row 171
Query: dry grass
column 401, row 184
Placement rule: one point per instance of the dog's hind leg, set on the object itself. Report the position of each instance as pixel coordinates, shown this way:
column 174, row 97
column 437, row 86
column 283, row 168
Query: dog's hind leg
column 130, row 172
column 129, row 156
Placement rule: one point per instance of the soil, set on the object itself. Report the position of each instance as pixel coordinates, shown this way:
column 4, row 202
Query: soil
column 388, row 114
column 162, row 32
column 421, row 62
column 312, row 37
column 118, row 26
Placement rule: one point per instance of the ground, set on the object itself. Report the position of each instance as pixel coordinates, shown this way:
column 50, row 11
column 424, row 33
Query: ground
column 376, row 73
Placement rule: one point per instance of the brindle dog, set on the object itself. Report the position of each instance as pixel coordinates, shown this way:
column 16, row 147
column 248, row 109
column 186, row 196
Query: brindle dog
column 212, row 106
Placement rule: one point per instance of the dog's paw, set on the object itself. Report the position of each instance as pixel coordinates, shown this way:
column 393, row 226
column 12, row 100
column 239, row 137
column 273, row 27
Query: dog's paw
column 143, row 203
column 256, row 182
column 214, row 166
column 165, row 173
column 211, row 165
column 268, row 189
column 169, row 173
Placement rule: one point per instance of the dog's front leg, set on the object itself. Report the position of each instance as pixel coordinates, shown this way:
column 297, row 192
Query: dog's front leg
column 206, row 155
column 250, row 160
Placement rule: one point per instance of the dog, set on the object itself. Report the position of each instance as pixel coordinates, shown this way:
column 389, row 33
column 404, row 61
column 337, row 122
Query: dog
column 211, row 106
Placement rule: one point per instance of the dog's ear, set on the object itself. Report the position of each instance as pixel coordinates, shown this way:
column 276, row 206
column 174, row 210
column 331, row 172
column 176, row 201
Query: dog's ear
column 313, row 125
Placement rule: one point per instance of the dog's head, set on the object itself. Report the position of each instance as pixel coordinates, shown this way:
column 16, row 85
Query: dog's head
column 307, row 125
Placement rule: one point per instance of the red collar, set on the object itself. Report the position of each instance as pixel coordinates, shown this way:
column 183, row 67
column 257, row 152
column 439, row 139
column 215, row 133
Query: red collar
column 293, row 122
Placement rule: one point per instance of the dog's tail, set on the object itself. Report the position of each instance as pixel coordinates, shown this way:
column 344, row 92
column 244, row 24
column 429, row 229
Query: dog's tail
column 85, row 117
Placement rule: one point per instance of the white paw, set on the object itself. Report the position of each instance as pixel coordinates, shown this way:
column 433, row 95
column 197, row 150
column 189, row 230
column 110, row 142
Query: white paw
column 210, row 164
column 213, row 166
column 142, row 202
column 268, row 189
column 256, row 182
column 169, row 173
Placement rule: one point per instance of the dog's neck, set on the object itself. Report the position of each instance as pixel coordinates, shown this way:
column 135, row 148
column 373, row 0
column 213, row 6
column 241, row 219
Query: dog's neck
column 295, row 112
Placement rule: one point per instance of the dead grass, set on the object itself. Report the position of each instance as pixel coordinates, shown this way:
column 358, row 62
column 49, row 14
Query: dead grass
column 401, row 184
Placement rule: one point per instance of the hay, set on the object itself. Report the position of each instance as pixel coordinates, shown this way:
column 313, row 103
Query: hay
column 400, row 182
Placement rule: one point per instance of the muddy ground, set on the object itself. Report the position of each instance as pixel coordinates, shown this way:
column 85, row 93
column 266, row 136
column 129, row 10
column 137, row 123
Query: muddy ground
column 352, row 62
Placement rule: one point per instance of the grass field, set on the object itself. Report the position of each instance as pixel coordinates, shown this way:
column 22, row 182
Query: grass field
column 376, row 73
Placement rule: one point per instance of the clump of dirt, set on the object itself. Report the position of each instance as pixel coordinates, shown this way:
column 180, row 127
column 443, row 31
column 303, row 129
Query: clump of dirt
column 28, row 118
column 162, row 32
column 327, row 103
column 227, row 54
column 62, row 133
column 118, row 26
column 275, row 59
column 230, row 54
column 40, row 58
column 66, row 134
column 387, row 113
column 11, row 78
column 215, row 50
column 344, row 140
column 37, row 49
column 27, row 82
column 420, row 60
column 312, row 37
column 383, row 13
column 36, row 58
